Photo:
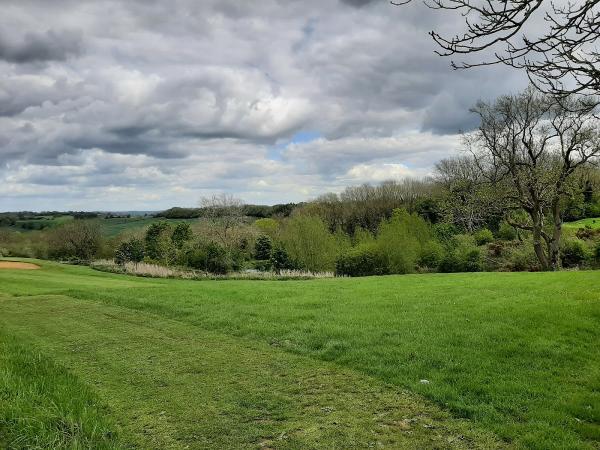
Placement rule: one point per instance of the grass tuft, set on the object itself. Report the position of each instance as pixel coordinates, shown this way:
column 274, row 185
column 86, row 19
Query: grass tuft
column 43, row 406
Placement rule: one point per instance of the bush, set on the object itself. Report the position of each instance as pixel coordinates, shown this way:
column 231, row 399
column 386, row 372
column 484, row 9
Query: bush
column 522, row 258
column 507, row 232
column 444, row 232
column 78, row 240
column 158, row 242
column 181, row 234
column 263, row 248
column 432, row 254
column 309, row 243
column 263, row 265
column 130, row 251
column 596, row 253
column 362, row 260
column 462, row 255
column 280, row 260
column 573, row 253
column 401, row 239
column 483, row 236
column 209, row 257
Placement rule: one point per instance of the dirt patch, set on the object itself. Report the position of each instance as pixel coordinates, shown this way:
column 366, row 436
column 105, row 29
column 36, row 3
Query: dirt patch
column 18, row 265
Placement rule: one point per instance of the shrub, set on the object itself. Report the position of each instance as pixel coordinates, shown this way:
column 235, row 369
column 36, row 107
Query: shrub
column 483, row 236
column 263, row 265
column 158, row 242
column 522, row 258
column 78, row 240
column 280, row 260
column 209, row 257
column 596, row 253
column 400, row 240
column 181, row 234
column 362, row 260
column 573, row 253
column 587, row 233
column 431, row 255
column 309, row 243
column 507, row 232
column 444, row 232
column 462, row 255
column 263, row 248
column 130, row 251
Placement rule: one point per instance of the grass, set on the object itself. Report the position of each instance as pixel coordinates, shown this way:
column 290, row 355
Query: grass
column 117, row 225
column 44, row 406
column 157, row 271
column 511, row 359
column 593, row 223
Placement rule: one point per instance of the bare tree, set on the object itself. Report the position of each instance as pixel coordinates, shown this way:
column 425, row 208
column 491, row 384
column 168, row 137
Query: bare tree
column 224, row 212
column 529, row 146
column 467, row 200
column 562, row 59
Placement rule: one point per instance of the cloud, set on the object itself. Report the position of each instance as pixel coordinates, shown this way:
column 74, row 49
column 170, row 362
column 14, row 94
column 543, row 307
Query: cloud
column 358, row 3
column 118, row 102
column 35, row 46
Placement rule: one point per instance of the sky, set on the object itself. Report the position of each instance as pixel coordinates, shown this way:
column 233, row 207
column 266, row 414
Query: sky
column 147, row 104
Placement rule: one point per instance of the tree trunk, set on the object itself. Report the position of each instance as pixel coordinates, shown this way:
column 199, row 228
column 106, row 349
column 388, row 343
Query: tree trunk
column 554, row 244
column 537, row 240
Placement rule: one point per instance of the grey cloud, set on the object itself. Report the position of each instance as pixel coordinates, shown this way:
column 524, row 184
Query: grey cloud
column 35, row 46
column 359, row 3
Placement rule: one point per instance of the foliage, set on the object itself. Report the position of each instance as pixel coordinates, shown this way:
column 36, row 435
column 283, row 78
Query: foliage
column 130, row 251
column 309, row 243
column 76, row 240
column 263, row 248
column 596, row 253
column 400, row 240
column 180, row 213
column 431, row 255
column 506, row 231
column 280, row 260
column 181, row 234
column 573, row 253
column 362, row 260
column 462, row 255
column 444, row 232
column 522, row 258
column 158, row 242
column 365, row 206
column 483, row 236
column 209, row 257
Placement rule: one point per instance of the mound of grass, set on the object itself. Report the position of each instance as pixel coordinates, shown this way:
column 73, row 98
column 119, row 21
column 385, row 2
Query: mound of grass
column 516, row 354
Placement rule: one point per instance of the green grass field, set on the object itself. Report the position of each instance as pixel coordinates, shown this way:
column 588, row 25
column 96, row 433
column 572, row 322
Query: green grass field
column 114, row 226
column 97, row 360
column 593, row 223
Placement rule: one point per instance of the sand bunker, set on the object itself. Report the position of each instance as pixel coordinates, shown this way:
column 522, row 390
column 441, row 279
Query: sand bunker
column 18, row 265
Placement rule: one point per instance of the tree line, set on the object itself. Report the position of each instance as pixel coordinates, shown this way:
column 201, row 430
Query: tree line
column 530, row 165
